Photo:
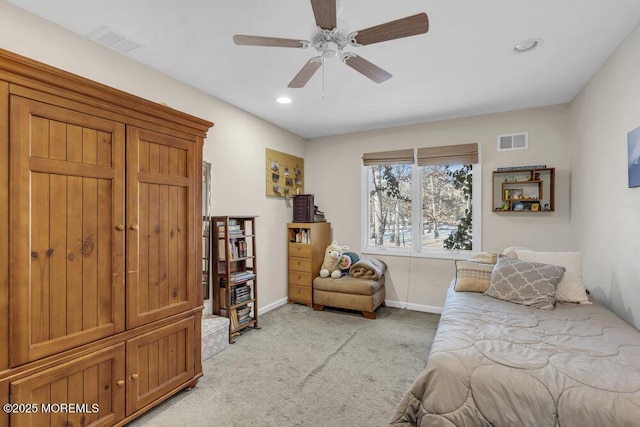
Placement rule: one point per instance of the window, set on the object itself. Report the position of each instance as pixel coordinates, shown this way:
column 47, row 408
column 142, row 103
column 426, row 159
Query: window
column 422, row 207
column 390, row 205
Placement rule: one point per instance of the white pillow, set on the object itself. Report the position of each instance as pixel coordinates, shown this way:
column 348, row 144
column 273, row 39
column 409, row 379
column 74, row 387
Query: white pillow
column 511, row 251
column 571, row 288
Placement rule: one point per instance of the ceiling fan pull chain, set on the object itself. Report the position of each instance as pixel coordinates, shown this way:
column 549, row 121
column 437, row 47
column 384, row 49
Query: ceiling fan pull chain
column 323, row 65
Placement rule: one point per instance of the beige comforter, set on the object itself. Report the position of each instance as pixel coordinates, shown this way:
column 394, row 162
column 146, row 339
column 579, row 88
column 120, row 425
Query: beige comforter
column 495, row 363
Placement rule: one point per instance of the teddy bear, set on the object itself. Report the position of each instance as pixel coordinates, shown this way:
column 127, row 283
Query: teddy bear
column 332, row 256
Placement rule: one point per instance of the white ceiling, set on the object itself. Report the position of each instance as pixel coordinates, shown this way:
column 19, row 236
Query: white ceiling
column 465, row 65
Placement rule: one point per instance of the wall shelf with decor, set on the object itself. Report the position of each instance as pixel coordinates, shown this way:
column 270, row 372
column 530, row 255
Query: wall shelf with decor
column 524, row 189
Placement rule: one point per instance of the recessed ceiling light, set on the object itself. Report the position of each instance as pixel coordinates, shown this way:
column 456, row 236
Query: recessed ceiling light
column 283, row 100
column 527, row 45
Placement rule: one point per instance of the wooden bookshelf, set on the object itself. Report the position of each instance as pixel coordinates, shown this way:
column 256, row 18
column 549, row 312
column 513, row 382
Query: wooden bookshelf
column 235, row 275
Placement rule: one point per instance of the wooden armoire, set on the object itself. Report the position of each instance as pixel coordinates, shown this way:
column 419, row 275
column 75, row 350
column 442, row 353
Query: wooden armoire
column 100, row 249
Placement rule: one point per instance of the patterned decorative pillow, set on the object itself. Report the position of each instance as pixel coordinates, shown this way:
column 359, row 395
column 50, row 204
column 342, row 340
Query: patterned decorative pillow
column 472, row 276
column 526, row 283
column 484, row 257
column 571, row 288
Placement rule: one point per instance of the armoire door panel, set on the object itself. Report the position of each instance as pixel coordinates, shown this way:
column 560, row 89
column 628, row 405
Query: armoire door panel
column 158, row 362
column 160, row 248
column 67, row 190
column 4, row 231
column 93, row 385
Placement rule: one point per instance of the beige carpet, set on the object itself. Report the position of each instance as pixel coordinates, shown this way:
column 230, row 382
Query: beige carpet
column 307, row 368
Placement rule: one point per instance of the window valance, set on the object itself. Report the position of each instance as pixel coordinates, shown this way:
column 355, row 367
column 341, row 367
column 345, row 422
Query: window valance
column 448, row 155
column 388, row 157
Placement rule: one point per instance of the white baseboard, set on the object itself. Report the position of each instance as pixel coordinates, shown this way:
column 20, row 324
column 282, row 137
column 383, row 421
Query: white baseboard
column 272, row 306
column 414, row 307
column 389, row 303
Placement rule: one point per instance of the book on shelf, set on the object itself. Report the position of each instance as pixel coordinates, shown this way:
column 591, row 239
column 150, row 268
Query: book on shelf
column 235, row 232
column 242, row 299
column 236, row 249
column 243, row 311
column 302, row 236
column 241, row 276
column 232, row 229
column 238, row 294
column 243, row 316
column 244, row 321
column 233, row 318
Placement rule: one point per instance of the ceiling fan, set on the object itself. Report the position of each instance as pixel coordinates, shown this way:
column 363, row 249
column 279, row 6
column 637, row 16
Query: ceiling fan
column 330, row 41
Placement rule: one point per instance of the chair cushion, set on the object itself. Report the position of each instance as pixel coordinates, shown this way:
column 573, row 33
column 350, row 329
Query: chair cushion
column 348, row 285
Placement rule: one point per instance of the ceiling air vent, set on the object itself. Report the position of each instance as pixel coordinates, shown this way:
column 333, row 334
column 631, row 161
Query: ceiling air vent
column 113, row 40
column 513, row 141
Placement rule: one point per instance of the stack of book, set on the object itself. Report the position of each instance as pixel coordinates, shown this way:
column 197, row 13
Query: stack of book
column 234, row 229
column 240, row 294
column 244, row 315
column 241, row 276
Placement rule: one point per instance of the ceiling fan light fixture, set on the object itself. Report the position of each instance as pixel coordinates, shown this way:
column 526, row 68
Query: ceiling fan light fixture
column 330, row 49
column 527, row 45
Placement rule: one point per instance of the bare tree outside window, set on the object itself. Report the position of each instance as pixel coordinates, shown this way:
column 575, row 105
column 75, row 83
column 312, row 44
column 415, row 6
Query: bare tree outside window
column 446, row 209
column 390, row 205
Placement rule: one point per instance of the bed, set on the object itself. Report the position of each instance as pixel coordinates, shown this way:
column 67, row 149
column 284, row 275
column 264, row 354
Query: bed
column 496, row 363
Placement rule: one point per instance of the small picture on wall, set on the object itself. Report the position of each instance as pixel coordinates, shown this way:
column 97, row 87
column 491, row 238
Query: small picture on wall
column 633, row 141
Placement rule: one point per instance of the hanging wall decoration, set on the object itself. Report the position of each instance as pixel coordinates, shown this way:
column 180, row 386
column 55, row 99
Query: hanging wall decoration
column 284, row 174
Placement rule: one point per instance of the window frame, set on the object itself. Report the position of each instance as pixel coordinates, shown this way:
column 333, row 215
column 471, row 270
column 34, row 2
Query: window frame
column 414, row 250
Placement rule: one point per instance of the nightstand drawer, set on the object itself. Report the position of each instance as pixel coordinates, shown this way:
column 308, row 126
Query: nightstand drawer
column 300, row 293
column 300, row 278
column 300, row 264
column 299, row 249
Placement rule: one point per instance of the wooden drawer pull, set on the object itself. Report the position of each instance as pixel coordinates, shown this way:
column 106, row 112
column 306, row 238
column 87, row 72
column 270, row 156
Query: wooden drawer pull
column 120, row 227
column 120, row 383
column 133, row 227
column 133, row 377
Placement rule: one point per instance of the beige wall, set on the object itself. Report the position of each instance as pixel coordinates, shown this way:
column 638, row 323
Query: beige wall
column 333, row 169
column 605, row 220
column 587, row 138
column 235, row 145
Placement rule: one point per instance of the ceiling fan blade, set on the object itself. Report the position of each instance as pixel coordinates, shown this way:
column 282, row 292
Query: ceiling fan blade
column 325, row 13
column 243, row 40
column 366, row 68
column 305, row 74
column 405, row 27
